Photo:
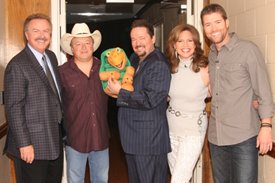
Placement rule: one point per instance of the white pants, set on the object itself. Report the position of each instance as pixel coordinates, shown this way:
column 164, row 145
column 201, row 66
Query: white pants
column 184, row 156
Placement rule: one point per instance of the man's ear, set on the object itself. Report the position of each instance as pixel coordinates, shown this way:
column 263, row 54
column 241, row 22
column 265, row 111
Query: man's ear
column 154, row 39
column 227, row 23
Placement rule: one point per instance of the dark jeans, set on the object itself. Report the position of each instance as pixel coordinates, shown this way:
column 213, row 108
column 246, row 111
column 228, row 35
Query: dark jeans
column 235, row 163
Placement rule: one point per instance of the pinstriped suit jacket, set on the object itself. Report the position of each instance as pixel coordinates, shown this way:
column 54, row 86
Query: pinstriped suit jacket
column 142, row 114
column 31, row 106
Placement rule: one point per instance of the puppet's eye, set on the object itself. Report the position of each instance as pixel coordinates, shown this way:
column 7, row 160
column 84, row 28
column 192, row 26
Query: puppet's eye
column 117, row 49
column 108, row 53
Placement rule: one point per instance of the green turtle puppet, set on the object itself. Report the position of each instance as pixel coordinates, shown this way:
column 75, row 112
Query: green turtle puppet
column 115, row 64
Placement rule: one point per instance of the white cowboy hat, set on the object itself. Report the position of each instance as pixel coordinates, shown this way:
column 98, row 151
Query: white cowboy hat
column 79, row 30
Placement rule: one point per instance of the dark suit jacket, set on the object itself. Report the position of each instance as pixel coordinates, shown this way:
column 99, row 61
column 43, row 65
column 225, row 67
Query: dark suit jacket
column 142, row 114
column 31, row 106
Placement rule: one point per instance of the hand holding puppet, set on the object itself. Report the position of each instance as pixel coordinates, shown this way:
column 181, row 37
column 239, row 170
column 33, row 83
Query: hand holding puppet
column 115, row 64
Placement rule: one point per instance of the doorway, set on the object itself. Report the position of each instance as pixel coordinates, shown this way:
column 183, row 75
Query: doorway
column 164, row 15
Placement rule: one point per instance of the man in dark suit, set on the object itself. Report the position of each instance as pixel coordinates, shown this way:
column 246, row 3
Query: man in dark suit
column 33, row 109
column 142, row 113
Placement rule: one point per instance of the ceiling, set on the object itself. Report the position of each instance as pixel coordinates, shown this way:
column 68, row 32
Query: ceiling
column 100, row 11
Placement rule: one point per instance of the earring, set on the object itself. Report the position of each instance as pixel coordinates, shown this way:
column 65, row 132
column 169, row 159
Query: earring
column 176, row 54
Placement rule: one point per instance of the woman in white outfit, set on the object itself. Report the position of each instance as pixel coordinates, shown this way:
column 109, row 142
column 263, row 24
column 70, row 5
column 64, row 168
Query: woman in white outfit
column 189, row 88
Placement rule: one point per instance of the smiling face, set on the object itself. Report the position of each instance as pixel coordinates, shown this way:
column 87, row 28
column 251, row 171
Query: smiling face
column 216, row 29
column 185, row 45
column 38, row 34
column 82, row 48
column 142, row 42
column 117, row 58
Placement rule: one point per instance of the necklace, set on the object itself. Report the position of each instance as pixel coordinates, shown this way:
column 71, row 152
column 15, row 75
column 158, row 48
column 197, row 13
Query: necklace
column 185, row 63
column 185, row 66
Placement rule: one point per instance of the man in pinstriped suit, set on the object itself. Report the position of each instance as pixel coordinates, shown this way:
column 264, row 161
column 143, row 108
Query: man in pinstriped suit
column 33, row 107
column 142, row 113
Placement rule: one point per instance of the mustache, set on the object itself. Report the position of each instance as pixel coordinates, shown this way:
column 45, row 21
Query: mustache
column 140, row 46
column 41, row 39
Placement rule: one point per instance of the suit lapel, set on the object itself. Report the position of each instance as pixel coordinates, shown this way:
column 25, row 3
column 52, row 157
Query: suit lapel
column 141, row 67
column 143, row 64
column 38, row 69
column 55, row 67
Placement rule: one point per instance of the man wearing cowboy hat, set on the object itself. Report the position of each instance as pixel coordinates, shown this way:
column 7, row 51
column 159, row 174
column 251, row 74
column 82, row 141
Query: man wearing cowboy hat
column 85, row 107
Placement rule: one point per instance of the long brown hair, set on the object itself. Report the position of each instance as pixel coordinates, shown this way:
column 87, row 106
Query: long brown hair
column 199, row 60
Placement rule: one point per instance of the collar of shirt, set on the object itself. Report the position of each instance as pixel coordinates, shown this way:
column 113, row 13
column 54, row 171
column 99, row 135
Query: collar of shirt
column 230, row 45
column 73, row 66
column 37, row 55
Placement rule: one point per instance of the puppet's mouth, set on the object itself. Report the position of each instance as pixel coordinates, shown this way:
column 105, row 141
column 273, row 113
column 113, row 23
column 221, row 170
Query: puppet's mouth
column 119, row 65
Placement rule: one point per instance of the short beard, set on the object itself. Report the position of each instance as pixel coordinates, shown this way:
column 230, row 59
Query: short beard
column 142, row 54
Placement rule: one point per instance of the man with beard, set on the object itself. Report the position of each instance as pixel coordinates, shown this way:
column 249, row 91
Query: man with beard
column 142, row 113
column 237, row 131
column 33, row 107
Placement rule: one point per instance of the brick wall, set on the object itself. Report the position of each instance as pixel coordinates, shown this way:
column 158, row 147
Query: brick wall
column 255, row 20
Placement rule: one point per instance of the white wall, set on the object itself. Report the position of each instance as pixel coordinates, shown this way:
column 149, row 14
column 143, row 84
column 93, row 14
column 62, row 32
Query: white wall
column 58, row 16
column 255, row 20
